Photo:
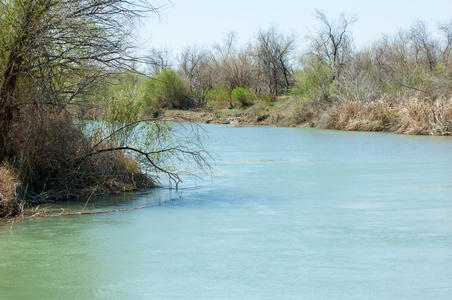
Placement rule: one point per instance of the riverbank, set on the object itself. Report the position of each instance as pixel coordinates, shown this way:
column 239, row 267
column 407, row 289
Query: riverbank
column 406, row 115
column 114, row 173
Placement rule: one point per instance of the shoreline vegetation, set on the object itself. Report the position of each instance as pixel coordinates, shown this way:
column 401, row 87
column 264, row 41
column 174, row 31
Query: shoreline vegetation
column 80, row 115
column 68, row 128
column 413, row 116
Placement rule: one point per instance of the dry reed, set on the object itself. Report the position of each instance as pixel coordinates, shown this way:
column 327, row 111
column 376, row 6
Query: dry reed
column 407, row 115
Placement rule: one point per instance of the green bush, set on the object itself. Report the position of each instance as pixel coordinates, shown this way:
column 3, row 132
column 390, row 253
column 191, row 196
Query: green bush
column 267, row 99
column 167, row 90
column 242, row 96
column 218, row 97
column 315, row 82
column 198, row 97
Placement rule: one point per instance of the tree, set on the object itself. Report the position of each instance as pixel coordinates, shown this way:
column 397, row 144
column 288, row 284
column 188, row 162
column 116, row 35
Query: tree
column 194, row 63
column 274, row 51
column 232, row 67
column 58, row 49
column 446, row 29
column 332, row 42
column 424, row 47
column 159, row 59
column 53, row 55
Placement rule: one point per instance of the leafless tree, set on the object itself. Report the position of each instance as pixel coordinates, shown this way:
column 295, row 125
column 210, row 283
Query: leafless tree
column 446, row 29
column 333, row 40
column 232, row 67
column 425, row 48
column 159, row 59
column 194, row 63
column 274, row 51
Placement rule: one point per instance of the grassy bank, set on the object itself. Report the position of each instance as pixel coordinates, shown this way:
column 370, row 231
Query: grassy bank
column 414, row 115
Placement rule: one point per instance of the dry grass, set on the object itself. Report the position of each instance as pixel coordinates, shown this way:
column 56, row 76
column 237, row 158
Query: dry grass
column 9, row 183
column 413, row 115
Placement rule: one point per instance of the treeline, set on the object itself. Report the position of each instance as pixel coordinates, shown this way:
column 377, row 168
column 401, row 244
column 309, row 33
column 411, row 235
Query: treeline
column 410, row 69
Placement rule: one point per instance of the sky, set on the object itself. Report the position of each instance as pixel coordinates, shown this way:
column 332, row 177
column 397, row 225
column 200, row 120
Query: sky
column 205, row 22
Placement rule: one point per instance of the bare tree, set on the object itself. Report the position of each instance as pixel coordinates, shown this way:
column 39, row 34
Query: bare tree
column 424, row 46
column 332, row 43
column 228, row 44
column 274, row 52
column 446, row 29
column 194, row 64
column 159, row 59
column 232, row 67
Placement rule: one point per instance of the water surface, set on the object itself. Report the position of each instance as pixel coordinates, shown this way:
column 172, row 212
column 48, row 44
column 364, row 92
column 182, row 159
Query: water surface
column 289, row 214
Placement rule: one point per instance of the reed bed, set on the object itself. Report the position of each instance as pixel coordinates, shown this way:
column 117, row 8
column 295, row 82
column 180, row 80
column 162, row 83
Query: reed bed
column 415, row 115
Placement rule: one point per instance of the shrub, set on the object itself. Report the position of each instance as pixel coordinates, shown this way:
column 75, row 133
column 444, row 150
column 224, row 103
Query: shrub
column 267, row 99
column 242, row 96
column 219, row 97
column 315, row 82
column 198, row 97
column 167, row 90
column 49, row 148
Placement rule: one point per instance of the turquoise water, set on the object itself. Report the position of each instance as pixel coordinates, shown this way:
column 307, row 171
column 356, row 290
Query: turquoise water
column 290, row 214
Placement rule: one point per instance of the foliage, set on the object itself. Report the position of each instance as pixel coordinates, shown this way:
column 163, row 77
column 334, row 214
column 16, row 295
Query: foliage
column 167, row 90
column 55, row 56
column 267, row 99
column 315, row 82
column 241, row 96
column 219, row 97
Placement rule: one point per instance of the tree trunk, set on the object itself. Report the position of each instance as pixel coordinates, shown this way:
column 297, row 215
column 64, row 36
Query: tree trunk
column 7, row 99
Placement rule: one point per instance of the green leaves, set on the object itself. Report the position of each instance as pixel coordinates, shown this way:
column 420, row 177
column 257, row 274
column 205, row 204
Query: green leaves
column 315, row 82
column 167, row 90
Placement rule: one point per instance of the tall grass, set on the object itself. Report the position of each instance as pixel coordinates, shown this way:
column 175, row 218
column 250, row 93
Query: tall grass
column 406, row 115
column 10, row 203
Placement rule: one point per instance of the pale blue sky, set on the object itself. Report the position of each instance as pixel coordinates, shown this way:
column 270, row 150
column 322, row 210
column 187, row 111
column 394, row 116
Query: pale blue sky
column 203, row 22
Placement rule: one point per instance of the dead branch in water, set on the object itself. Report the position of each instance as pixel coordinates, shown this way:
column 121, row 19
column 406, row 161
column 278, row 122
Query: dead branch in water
column 44, row 214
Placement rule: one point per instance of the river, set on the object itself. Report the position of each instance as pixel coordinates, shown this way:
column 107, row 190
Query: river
column 290, row 213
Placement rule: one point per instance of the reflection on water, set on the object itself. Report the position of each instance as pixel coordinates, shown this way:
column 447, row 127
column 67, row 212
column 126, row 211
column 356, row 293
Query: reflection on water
column 290, row 214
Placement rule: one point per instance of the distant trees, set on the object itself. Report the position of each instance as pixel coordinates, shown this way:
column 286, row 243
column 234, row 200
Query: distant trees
column 446, row 29
column 194, row 64
column 411, row 62
column 424, row 46
column 264, row 67
column 232, row 67
column 333, row 40
column 275, row 53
